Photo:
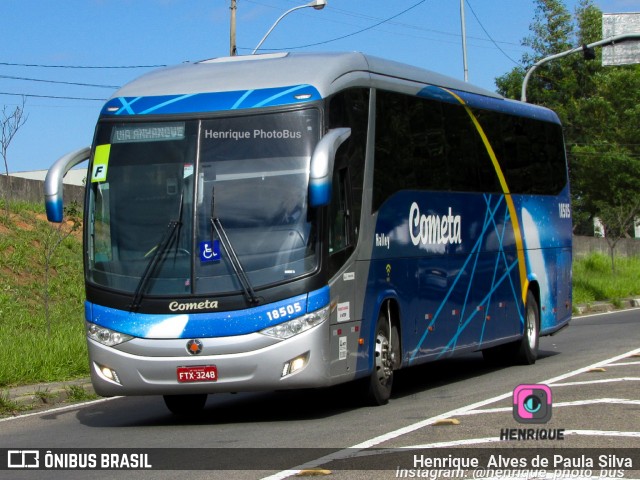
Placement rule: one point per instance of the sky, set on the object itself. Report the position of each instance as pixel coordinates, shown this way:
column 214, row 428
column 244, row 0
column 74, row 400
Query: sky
column 66, row 58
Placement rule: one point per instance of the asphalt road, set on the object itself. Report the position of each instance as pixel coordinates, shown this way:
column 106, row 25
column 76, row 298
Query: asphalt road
column 592, row 369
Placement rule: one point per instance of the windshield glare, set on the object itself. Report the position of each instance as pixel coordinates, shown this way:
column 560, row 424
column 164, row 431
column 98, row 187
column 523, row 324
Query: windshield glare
column 251, row 175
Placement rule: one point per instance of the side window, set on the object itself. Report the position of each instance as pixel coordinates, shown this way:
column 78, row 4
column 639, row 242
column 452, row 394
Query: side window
column 339, row 214
column 470, row 166
column 530, row 152
column 349, row 108
column 395, row 167
column 423, row 144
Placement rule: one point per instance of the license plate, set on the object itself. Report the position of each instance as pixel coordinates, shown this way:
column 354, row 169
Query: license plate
column 200, row 373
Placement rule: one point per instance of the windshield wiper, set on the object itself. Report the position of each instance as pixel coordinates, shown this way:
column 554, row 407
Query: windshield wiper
column 239, row 270
column 160, row 250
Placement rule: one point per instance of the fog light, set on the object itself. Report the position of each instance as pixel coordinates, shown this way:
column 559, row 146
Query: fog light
column 298, row 363
column 295, row 365
column 107, row 373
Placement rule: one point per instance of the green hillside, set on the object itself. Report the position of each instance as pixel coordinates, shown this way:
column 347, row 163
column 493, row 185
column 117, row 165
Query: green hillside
column 35, row 347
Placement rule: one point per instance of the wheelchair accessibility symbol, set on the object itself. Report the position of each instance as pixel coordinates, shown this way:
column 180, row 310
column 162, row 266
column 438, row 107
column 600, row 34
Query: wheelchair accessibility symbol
column 209, row 251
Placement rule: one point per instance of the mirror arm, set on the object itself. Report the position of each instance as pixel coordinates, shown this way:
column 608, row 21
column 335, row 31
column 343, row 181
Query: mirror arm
column 322, row 162
column 53, row 182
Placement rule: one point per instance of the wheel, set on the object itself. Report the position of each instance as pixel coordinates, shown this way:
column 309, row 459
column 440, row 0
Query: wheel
column 385, row 353
column 185, row 405
column 527, row 351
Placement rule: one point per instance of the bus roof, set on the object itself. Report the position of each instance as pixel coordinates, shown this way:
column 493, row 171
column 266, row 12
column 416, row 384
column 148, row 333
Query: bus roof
column 309, row 75
column 325, row 71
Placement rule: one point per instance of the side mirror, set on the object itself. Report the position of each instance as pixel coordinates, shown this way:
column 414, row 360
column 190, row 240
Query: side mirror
column 322, row 161
column 53, row 182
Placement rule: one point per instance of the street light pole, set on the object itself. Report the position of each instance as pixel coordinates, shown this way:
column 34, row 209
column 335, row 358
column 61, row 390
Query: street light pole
column 317, row 4
column 599, row 43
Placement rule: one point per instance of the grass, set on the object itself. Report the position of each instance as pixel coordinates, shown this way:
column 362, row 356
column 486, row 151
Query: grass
column 78, row 394
column 35, row 349
column 7, row 406
column 44, row 396
column 594, row 281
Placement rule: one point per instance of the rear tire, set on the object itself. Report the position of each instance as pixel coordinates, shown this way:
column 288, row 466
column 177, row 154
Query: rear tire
column 527, row 349
column 185, row 405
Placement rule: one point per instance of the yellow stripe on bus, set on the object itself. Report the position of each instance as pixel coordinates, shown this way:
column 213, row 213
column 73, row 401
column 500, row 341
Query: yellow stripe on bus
column 524, row 281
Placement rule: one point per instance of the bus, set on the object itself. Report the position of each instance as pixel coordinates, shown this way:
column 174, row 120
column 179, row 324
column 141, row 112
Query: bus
column 288, row 221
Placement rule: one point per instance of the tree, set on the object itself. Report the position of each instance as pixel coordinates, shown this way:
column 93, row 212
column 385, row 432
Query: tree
column 552, row 31
column 599, row 108
column 10, row 123
column 608, row 185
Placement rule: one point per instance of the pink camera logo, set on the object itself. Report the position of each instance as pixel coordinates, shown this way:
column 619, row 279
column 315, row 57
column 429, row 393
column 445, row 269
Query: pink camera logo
column 532, row 403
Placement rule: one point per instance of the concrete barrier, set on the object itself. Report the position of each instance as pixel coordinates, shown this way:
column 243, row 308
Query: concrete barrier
column 32, row 191
column 626, row 247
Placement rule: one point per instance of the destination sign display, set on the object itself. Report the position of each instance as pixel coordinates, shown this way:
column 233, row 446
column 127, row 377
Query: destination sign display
column 148, row 132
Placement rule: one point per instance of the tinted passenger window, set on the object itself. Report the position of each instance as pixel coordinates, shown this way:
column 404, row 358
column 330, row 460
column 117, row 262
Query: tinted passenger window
column 423, row 144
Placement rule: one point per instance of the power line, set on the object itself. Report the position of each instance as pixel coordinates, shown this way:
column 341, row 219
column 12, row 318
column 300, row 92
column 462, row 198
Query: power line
column 399, row 24
column 60, row 82
column 407, row 26
column 349, row 34
column 365, row 17
column 53, row 96
column 80, row 66
column 488, row 35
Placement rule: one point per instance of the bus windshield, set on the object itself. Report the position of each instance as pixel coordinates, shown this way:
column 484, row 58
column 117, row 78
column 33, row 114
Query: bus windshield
column 156, row 189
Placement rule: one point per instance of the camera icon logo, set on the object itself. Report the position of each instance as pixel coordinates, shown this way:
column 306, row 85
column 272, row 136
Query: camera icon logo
column 532, row 403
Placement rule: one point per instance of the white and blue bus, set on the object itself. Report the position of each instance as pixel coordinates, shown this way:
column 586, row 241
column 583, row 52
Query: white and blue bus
column 289, row 221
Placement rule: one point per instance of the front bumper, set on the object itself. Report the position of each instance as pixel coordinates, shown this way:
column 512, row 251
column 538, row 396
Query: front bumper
column 244, row 363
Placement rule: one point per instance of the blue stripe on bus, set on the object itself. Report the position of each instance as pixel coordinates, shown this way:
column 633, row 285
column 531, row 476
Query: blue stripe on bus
column 211, row 101
column 204, row 325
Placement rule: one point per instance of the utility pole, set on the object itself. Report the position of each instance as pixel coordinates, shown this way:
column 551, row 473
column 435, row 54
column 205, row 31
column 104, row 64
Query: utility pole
column 464, row 41
column 232, row 31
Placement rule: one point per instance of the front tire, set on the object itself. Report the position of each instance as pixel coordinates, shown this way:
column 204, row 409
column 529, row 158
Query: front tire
column 384, row 354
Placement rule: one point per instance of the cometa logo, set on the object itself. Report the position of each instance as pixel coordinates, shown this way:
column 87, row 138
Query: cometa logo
column 187, row 306
column 433, row 229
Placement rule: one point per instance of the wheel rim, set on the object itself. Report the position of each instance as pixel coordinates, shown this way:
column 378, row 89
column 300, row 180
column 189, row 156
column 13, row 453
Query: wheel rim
column 531, row 328
column 384, row 360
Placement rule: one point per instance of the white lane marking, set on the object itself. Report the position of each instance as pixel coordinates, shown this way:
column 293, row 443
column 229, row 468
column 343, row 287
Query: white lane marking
column 580, row 317
column 594, row 382
column 351, row 451
column 577, row 403
column 477, row 441
column 71, row 406
column 602, row 433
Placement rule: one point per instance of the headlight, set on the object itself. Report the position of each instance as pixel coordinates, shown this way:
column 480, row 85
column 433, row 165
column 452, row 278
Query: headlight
column 106, row 336
column 297, row 325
